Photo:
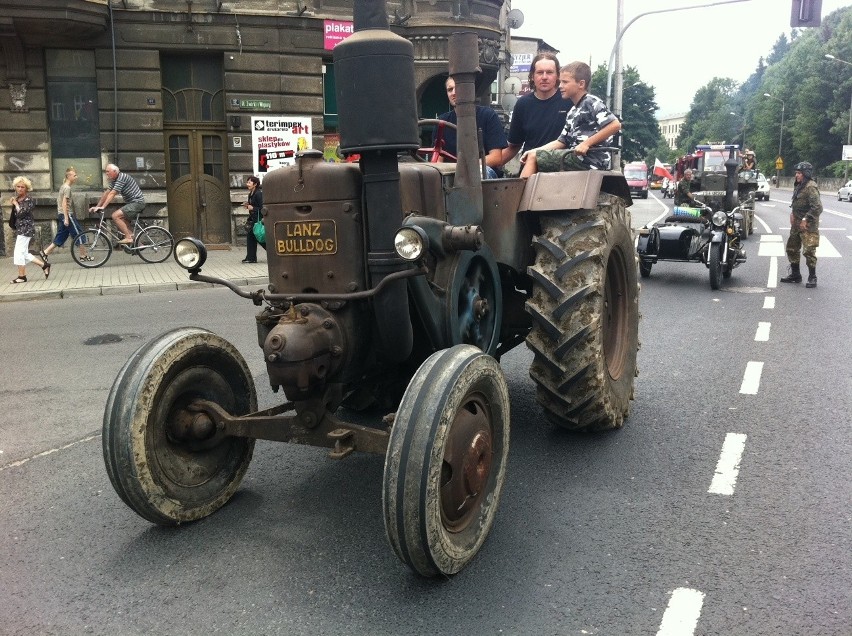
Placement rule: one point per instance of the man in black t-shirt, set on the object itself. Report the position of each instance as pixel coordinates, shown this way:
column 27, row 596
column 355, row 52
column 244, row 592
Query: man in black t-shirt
column 538, row 117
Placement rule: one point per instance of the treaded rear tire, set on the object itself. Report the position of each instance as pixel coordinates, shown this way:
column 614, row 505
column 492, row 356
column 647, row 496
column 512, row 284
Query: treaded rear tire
column 585, row 314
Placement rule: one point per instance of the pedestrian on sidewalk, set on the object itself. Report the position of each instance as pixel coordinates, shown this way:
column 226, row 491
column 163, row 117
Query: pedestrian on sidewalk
column 23, row 205
column 804, row 225
column 66, row 220
column 134, row 201
column 254, row 204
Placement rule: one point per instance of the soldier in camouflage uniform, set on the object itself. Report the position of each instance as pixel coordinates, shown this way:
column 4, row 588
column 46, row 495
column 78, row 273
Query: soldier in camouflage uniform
column 589, row 123
column 804, row 225
column 683, row 190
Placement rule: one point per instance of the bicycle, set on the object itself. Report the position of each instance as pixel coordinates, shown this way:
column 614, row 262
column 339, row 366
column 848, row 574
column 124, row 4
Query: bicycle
column 152, row 243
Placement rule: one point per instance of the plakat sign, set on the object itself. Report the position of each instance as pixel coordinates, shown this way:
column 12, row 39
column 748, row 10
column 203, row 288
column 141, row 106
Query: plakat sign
column 275, row 141
column 521, row 62
column 335, row 32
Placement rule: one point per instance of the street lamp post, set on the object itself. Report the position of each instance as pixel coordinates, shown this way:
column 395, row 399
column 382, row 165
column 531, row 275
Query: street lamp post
column 848, row 130
column 615, row 104
column 780, row 134
column 744, row 126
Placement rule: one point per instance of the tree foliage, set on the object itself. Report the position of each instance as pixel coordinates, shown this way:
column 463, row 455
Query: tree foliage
column 815, row 92
column 640, row 132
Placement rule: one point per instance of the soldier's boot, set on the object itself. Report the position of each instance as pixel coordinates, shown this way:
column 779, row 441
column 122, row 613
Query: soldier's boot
column 812, row 281
column 795, row 276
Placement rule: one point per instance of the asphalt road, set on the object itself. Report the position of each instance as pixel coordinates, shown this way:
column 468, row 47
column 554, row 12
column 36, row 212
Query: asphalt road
column 722, row 507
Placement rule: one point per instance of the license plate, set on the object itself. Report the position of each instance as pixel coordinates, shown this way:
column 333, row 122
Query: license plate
column 305, row 238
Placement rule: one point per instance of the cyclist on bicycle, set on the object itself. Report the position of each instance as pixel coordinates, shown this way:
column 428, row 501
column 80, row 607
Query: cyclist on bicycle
column 134, row 202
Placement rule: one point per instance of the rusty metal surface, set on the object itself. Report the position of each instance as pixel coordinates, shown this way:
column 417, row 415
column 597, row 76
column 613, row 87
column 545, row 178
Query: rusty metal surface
column 421, row 187
column 578, row 190
column 507, row 234
column 277, row 425
column 562, row 191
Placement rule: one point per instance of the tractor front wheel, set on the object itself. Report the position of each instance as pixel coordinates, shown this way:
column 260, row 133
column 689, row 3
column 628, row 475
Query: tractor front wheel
column 165, row 458
column 446, row 460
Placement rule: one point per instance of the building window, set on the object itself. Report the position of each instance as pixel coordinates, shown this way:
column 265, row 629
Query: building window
column 329, row 108
column 192, row 88
column 72, row 94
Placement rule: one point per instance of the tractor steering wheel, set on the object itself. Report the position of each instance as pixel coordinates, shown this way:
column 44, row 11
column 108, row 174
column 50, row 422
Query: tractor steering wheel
column 437, row 150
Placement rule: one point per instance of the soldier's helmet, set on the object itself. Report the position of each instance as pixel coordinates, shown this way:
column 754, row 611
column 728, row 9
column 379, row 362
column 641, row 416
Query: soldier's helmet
column 806, row 169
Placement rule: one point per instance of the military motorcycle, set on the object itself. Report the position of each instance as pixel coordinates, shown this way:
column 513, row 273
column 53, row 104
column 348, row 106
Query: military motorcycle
column 694, row 234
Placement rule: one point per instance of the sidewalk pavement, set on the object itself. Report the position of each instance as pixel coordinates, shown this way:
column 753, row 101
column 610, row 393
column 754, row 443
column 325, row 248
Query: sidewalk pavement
column 125, row 274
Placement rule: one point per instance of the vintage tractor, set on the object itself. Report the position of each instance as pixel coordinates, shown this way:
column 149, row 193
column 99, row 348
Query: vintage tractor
column 709, row 163
column 394, row 287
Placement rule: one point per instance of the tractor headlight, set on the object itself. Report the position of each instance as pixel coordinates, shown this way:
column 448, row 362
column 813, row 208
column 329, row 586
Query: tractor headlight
column 190, row 253
column 719, row 218
column 410, row 243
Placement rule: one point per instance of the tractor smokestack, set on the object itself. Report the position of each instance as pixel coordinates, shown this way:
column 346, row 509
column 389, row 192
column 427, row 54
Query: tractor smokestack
column 377, row 106
column 731, row 198
column 467, row 189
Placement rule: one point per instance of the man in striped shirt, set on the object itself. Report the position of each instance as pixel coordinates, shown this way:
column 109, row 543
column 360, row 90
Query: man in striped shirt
column 134, row 201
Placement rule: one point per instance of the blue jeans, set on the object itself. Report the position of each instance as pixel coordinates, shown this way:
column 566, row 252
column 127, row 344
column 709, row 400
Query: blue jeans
column 74, row 229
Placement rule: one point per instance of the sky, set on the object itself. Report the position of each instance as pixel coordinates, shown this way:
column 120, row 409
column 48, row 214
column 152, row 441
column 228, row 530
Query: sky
column 677, row 53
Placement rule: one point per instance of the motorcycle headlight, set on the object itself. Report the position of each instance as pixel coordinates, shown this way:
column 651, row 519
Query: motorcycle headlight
column 719, row 218
column 410, row 243
column 190, row 253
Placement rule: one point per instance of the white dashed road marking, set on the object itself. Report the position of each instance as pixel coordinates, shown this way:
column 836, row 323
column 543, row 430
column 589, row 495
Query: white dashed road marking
column 769, row 302
column 762, row 334
column 21, row 462
column 751, row 378
column 772, row 280
column 681, row 616
column 729, row 465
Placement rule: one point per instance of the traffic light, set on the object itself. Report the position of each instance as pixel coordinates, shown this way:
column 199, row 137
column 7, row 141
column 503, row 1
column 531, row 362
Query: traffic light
column 806, row 13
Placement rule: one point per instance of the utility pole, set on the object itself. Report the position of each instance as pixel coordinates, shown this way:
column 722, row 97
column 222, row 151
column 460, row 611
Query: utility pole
column 849, row 129
column 614, row 67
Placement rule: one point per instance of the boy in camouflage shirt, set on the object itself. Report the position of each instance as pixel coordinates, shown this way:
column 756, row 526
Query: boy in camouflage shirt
column 588, row 124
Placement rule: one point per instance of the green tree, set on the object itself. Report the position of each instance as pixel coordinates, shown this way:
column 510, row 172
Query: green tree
column 815, row 93
column 640, row 134
column 709, row 119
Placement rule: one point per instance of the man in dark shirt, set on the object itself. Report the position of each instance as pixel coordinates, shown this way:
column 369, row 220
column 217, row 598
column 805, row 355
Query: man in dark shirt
column 538, row 117
column 493, row 137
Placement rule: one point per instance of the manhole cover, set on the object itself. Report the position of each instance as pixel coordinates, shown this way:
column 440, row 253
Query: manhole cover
column 746, row 290
column 107, row 338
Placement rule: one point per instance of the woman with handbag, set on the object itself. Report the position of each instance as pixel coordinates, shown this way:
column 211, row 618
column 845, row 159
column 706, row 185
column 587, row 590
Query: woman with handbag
column 22, row 209
column 254, row 204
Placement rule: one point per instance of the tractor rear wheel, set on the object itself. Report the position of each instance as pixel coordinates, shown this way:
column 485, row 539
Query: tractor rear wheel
column 585, row 315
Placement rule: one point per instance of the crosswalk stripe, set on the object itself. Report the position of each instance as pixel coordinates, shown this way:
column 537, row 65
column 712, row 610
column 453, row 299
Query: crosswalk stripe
column 773, row 245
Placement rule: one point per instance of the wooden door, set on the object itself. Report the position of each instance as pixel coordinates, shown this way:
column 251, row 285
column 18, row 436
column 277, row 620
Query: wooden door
column 198, row 195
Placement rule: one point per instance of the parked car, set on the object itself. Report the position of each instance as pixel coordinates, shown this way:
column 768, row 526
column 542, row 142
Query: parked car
column 762, row 193
column 845, row 192
column 636, row 174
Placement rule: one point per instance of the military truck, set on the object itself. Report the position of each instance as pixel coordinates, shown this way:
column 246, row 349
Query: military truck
column 709, row 178
column 395, row 286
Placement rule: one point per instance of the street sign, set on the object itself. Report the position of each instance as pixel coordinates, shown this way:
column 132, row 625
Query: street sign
column 847, row 153
column 779, row 163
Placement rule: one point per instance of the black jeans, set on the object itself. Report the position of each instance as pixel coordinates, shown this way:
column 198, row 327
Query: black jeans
column 251, row 246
